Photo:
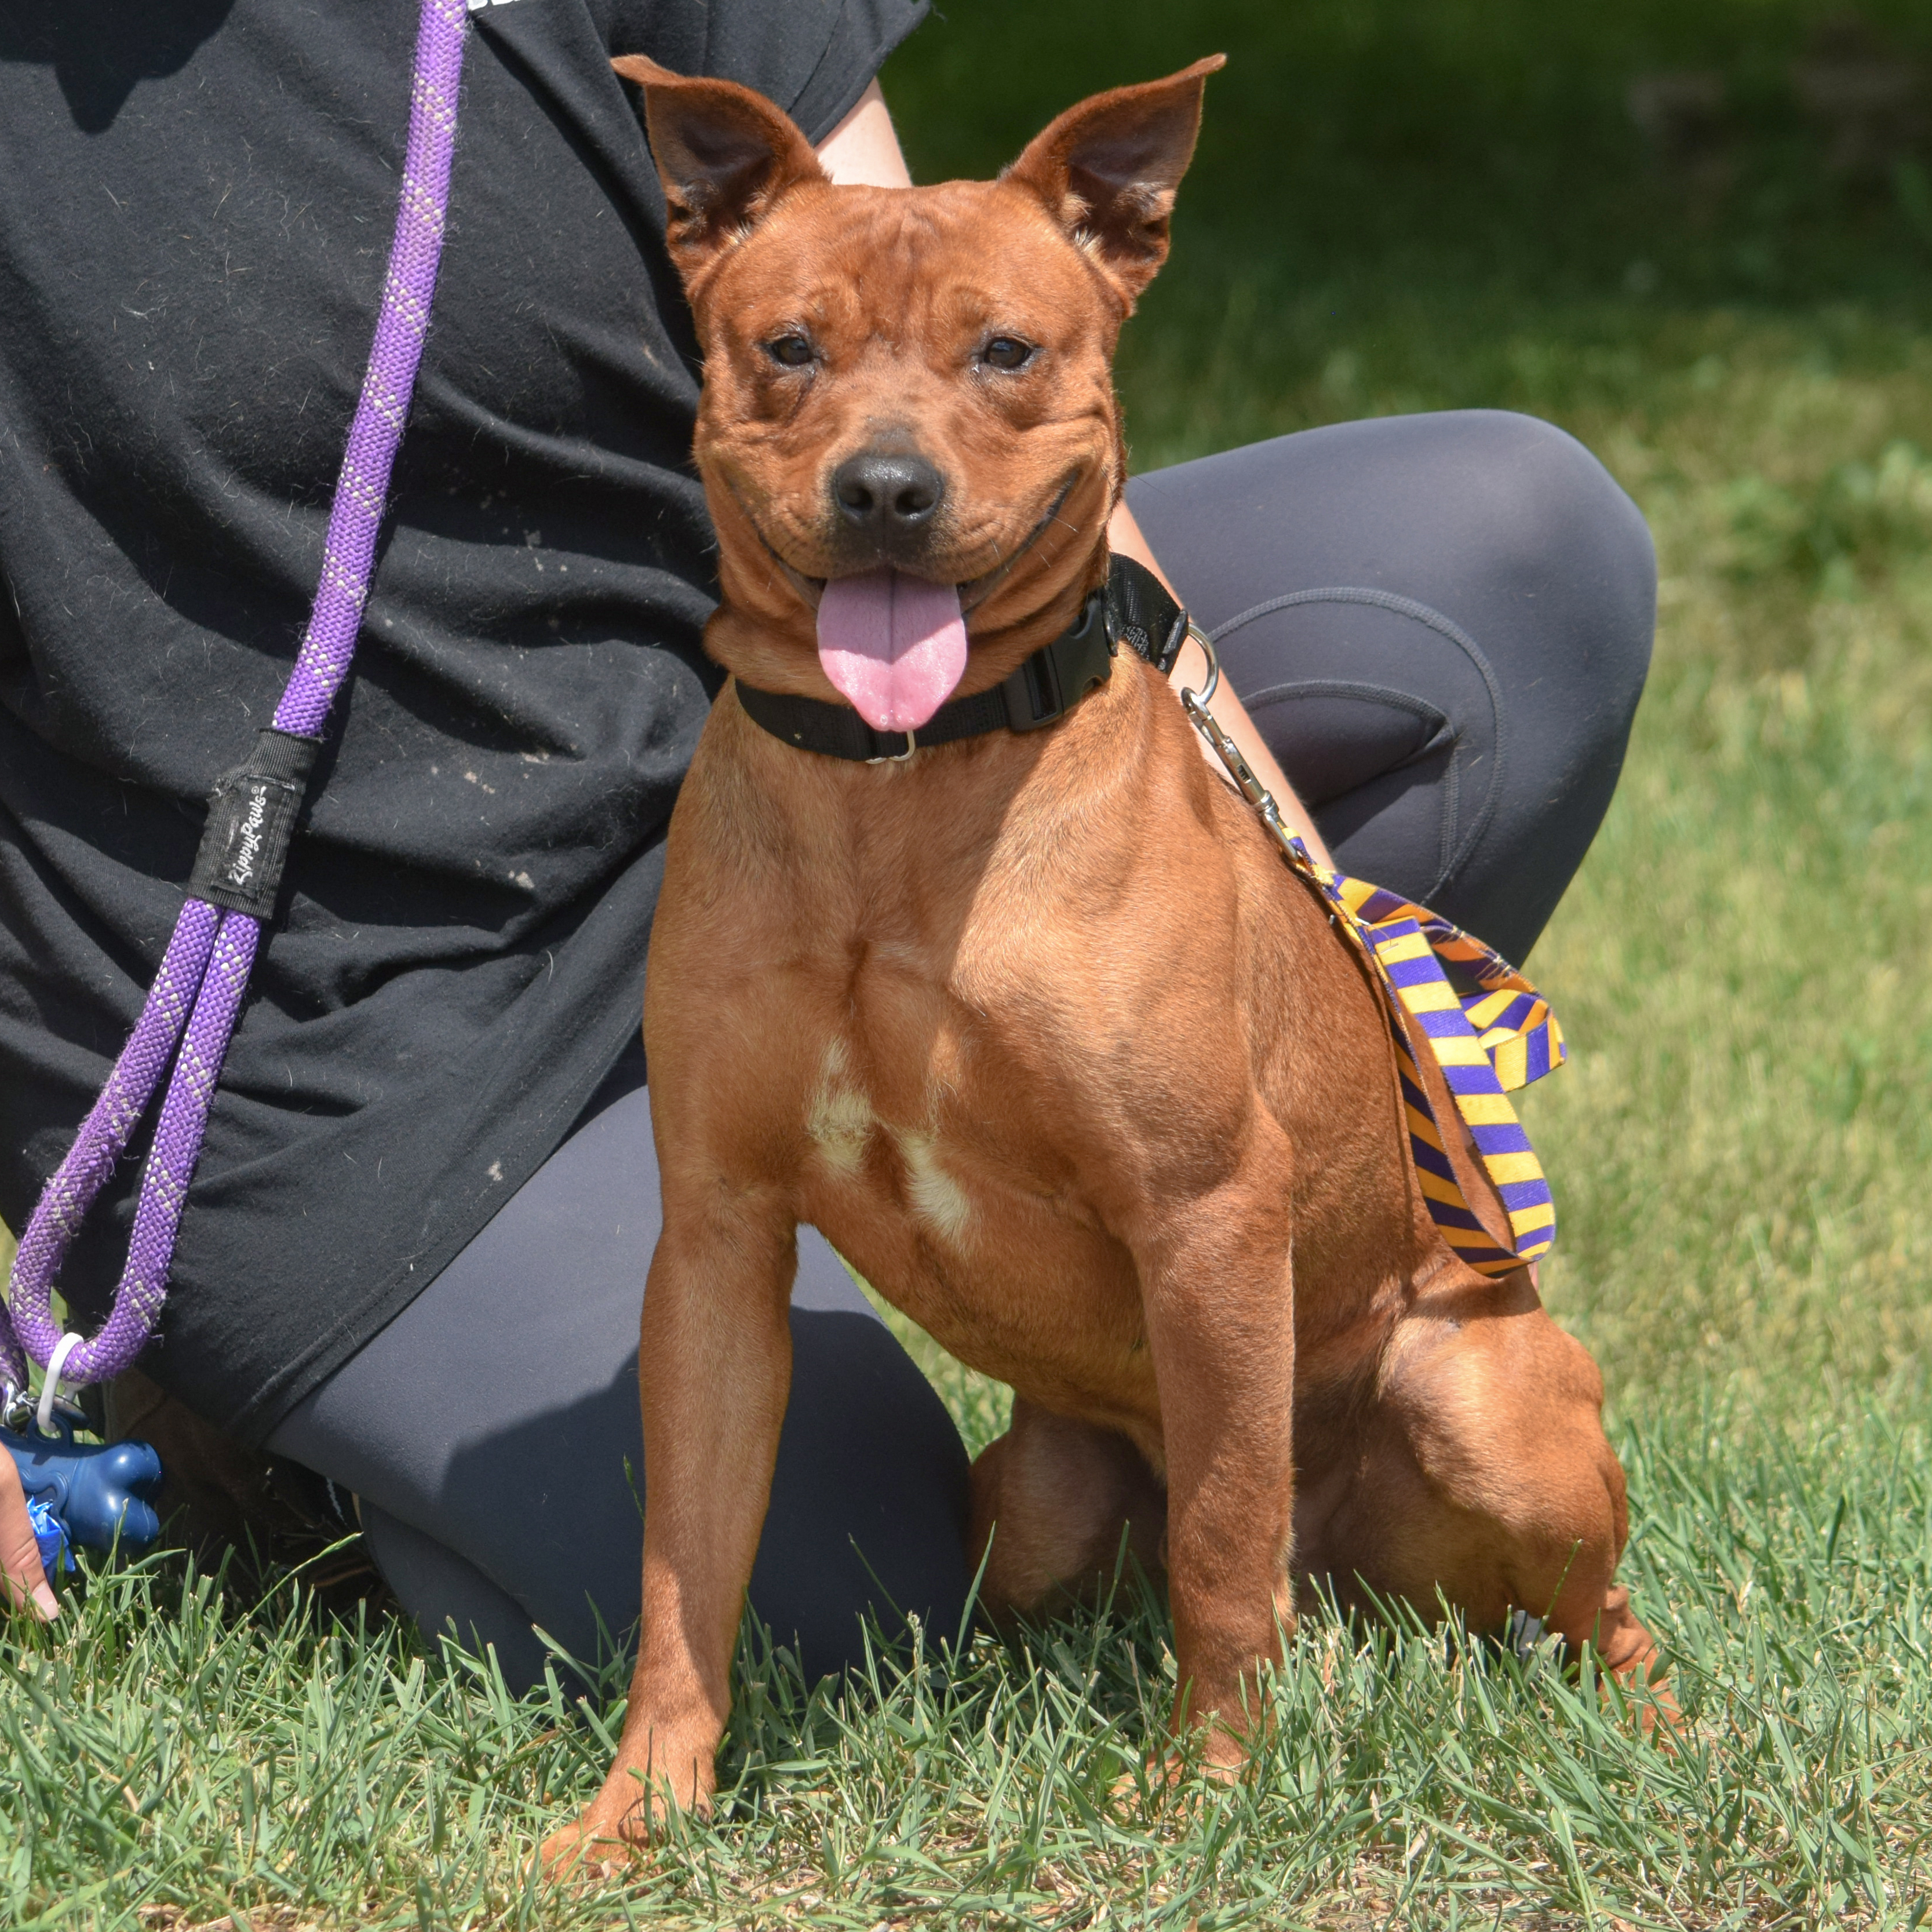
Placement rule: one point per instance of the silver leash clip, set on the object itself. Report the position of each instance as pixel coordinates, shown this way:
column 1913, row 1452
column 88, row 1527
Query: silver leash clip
column 1194, row 703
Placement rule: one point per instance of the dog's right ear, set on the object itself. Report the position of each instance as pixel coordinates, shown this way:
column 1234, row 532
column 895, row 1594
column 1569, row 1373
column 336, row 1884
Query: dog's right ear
column 724, row 154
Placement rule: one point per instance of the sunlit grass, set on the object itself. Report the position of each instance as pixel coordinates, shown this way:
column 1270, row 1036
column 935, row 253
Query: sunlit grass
column 181, row 1758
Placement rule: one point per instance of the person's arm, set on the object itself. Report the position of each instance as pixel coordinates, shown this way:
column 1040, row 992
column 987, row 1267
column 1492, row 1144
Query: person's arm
column 1190, row 673
column 863, row 151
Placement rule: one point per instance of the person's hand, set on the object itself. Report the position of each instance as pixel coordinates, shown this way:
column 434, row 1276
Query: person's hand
column 19, row 1555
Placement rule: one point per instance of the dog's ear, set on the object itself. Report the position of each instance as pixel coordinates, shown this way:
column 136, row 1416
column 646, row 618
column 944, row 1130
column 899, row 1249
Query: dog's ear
column 724, row 154
column 1107, row 170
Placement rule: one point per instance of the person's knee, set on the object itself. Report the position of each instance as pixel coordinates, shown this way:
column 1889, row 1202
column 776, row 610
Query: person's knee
column 442, row 1590
column 1556, row 521
column 1540, row 481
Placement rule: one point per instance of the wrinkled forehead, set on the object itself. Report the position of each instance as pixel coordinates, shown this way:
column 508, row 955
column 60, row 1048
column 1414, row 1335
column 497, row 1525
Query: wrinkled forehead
column 888, row 263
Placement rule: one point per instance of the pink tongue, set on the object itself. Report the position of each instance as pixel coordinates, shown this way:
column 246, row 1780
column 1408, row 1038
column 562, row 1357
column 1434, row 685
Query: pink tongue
column 895, row 645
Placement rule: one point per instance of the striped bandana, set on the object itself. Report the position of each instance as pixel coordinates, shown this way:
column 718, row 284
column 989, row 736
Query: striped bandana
column 1498, row 1035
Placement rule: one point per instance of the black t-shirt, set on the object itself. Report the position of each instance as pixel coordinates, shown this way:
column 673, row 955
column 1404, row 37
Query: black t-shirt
column 196, row 205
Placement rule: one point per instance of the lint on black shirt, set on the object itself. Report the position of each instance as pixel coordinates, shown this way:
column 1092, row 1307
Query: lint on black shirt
column 196, row 206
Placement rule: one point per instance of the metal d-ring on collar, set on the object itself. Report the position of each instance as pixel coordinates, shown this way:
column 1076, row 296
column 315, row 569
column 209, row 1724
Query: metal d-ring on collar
column 1191, row 699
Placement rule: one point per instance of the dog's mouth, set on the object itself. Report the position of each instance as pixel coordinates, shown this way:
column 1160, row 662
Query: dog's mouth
column 893, row 645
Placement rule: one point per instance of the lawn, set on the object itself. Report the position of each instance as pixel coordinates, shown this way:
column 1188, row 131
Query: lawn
column 1400, row 204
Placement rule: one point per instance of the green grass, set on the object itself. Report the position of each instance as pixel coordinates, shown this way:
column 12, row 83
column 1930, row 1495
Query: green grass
column 1398, row 206
column 196, row 1759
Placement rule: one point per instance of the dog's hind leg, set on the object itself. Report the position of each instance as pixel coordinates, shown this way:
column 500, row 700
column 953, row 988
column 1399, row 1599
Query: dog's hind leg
column 1480, row 1476
column 1052, row 1500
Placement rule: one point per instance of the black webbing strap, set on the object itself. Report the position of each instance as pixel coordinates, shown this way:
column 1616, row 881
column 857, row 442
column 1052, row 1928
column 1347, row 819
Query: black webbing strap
column 1142, row 616
column 1132, row 608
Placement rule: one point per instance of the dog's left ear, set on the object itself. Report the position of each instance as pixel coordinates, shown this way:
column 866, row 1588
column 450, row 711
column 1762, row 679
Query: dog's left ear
column 724, row 154
column 1107, row 170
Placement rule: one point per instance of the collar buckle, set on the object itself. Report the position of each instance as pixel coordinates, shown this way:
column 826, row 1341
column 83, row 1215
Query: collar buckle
column 1051, row 682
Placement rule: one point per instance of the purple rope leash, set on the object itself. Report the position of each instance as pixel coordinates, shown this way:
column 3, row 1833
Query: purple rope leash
column 190, row 1010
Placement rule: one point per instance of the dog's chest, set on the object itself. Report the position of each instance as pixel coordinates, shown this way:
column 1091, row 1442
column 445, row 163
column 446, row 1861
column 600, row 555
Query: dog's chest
column 899, row 1149
column 857, row 1146
column 963, row 1214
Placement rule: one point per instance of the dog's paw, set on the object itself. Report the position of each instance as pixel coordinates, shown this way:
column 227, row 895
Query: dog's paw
column 594, row 1847
column 1650, row 1701
column 1178, row 1775
column 1165, row 1774
column 1629, row 1654
column 616, row 1829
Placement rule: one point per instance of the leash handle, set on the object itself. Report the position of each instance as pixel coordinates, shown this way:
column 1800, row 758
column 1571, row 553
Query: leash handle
column 189, row 1015
column 1502, row 1036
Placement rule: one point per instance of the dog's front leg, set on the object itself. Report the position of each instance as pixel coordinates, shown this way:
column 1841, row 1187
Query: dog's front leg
column 714, row 1371
column 1220, row 1315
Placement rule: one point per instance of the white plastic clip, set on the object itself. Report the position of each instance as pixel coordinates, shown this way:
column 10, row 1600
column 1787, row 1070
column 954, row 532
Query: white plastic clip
column 43, row 1416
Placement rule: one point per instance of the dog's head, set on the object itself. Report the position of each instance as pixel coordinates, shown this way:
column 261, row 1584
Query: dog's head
column 908, row 429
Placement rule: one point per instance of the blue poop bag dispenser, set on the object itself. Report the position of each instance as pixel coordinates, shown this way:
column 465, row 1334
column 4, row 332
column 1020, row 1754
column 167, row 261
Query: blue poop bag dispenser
column 87, row 1494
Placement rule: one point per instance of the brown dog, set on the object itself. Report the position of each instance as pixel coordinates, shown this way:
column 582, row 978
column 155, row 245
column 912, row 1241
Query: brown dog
column 1037, row 1028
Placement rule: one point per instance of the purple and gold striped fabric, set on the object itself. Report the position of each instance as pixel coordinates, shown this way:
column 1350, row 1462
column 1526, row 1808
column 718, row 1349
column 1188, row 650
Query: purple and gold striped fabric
column 1489, row 1041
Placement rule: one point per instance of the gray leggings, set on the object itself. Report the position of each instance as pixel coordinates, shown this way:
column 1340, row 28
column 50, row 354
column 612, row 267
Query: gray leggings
column 1441, row 624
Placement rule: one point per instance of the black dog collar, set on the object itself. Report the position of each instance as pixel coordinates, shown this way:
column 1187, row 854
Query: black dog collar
column 1131, row 608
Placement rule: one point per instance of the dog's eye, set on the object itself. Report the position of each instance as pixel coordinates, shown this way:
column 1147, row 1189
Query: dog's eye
column 790, row 352
column 1006, row 352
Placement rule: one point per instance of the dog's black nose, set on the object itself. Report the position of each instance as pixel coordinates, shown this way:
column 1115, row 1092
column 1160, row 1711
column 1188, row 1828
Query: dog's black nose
column 887, row 494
